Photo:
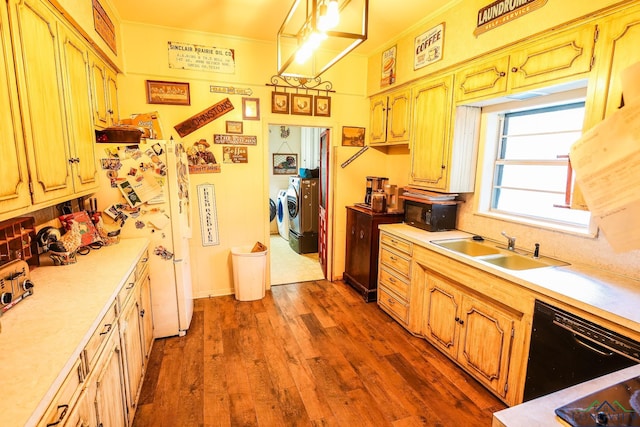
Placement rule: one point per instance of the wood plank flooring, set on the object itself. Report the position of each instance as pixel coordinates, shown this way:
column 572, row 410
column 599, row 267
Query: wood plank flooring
column 308, row 354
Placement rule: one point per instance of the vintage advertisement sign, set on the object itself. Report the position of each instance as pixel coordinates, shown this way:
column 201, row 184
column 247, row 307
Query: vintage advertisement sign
column 208, row 214
column 186, row 56
column 428, row 47
column 235, row 154
column 235, row 139
column 231, row 90
column 388, row 67
column 104, row 26
column 204, row 117
column 503, row 11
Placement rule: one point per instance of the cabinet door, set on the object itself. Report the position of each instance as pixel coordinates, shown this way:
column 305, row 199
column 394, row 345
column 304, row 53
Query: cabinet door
column 109, row 394
column 441, row 314
column 83, row 413
column 41, row 88
column 146, row 317
column 431, row 128
column 359, row 247
column 485, row 343
column 398, row 116
column 488, row 79
column 14, row 176
column 80, row 117
column 99, row 92
column 378, row 119
column 113, row 113
column 132, row 339
column 553, row 59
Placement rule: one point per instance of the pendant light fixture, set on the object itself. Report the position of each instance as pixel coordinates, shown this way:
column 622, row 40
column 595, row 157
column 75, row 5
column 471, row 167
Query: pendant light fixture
column 318, row 33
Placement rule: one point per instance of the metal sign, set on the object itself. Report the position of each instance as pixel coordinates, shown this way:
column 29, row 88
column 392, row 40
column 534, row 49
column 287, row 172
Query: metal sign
column 235, row 139
column 231, row 90
column 503, row 11
column 428, row 47
column 186, row 56
column 235, row 154
column 208, row 214
column 204, row 117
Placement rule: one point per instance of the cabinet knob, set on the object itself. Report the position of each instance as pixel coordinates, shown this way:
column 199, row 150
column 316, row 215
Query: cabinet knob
column 514, row 69
column 142, row 313
column 502, row 74
column 362, row 234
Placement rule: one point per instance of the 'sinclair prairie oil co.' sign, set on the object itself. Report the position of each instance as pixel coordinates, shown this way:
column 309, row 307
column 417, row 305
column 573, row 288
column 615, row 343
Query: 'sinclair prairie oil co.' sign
column 502, row 11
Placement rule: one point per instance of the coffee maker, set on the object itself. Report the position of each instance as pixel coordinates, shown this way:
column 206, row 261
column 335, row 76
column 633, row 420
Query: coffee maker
column 375, row 184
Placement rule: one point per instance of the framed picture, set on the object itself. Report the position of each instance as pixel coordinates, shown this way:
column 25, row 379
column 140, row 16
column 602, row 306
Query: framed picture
column 301, row 104
column 251, row 108
column 172, row 93
column 285, row 164
column 352, row 136
column 280, row 102
column 233, row 127
column 321, row 106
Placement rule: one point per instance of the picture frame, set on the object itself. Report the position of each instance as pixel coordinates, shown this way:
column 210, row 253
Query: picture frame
column 280, row 102
column 251, row 108
column 170, row 93
column 285, row 164
column 353, row 136
column 233, row 127
column 301, row 104
column 322, row 106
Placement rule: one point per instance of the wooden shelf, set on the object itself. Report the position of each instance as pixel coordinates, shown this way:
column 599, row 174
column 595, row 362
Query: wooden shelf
column 18, row 241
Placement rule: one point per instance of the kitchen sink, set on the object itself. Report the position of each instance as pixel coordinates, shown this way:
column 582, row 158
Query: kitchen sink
column 491, row 252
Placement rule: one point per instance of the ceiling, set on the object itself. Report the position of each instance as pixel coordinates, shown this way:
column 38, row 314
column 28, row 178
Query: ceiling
column 261, row 19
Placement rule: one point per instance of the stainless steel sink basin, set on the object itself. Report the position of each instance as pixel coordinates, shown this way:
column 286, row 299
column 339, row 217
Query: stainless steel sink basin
column 492, row 253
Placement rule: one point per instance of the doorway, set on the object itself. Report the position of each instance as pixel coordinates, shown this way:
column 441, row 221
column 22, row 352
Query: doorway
column 294, row 258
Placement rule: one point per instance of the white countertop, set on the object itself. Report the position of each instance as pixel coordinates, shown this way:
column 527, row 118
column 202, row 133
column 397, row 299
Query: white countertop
column 596, row 291
column 43, row 335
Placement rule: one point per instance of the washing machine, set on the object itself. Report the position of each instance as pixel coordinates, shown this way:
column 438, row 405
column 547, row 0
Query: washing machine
column 282, row 214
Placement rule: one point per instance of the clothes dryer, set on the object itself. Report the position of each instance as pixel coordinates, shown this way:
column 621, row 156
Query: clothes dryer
column 282, row 214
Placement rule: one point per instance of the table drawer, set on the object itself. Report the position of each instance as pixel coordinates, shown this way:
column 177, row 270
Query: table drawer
column 396, row 284
column 396, row 243
column 391, row 259
column 392, row 305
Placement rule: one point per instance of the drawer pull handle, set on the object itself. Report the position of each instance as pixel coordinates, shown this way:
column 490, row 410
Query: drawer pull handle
column 392, row 280
column 107, row 329
column 62, row 415
column 130, row 285
column 145, row 259
column 390, row 301
column 392, row 258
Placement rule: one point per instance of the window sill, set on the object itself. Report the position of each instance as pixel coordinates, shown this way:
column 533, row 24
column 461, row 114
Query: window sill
column 589, row 232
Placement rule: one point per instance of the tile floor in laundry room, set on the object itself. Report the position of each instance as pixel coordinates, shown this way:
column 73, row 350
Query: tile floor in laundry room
column 287, row 266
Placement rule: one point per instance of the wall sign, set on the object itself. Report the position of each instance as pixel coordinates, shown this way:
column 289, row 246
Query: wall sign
column 208, row 214
column 186, row 56
column 428, row 47
column 235, row 154
column 388, row 67
column 230, row 90
column 503, row 11
column 204, row 117
column 104, row 26
column 235, row 139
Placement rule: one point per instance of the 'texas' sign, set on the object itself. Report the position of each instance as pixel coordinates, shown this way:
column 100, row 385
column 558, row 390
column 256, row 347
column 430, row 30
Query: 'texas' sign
column 502, row 11
column 204, row 117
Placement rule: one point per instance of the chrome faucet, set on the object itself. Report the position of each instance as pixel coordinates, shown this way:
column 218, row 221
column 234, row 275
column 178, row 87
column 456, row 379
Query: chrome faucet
column 511, row 241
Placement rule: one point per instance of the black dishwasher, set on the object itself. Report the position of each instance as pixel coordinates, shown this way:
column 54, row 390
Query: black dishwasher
column 567, row 350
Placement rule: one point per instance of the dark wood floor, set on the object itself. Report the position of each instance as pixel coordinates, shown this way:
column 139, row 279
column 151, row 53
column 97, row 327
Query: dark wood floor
column 308, row 354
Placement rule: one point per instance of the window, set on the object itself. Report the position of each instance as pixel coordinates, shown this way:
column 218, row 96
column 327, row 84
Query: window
column 529, row 161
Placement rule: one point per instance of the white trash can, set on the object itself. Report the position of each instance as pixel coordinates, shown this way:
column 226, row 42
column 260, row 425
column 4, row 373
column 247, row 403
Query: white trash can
column 249, row 273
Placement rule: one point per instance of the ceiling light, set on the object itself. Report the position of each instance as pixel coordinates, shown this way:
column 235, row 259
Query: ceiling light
column 318, row 33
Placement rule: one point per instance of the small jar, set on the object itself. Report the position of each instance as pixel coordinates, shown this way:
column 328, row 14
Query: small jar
column 378, row 202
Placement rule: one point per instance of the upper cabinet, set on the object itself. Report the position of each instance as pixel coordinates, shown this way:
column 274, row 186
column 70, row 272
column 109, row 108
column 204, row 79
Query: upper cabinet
column 442, row 159
column 48, row 134
column 390, row 117
column 104, row 93
column 14, row 175
column 550, row 60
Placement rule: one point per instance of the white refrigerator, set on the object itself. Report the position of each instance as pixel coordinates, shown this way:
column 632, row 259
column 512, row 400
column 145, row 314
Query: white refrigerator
column 144, row 190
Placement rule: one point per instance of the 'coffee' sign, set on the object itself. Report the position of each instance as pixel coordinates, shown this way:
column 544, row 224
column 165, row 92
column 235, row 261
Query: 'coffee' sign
column 502, row 11
column 194, row 123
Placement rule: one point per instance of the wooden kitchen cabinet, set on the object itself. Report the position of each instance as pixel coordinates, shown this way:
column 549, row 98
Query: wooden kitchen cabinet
column 443, row 158
column 104, row 90
column 14, row 174
column 394, row 277
column 473, row 333
column 52, row 80
column 110, row 397
column 361, row 258
column 390, row 118
column 550, row 60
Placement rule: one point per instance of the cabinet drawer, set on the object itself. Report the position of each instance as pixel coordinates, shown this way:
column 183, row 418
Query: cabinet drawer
column 65, row 398
column 126, row 290
column 142, row 264
column 396, row 243
column 395, row 261
column 396, row 284
column 99, row 338
column 392, row 305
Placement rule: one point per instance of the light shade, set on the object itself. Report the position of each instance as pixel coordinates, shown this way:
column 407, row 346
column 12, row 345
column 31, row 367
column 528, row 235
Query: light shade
column 318, row 33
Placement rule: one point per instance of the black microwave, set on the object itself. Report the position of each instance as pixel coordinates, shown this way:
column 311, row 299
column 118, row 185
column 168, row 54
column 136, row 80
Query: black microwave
column 430, row 216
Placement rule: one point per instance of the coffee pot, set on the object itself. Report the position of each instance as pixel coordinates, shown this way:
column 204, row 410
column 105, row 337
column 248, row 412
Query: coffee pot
column 375, row 184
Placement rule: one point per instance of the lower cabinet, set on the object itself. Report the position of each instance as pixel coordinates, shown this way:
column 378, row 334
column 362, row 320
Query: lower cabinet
column 103, row 387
